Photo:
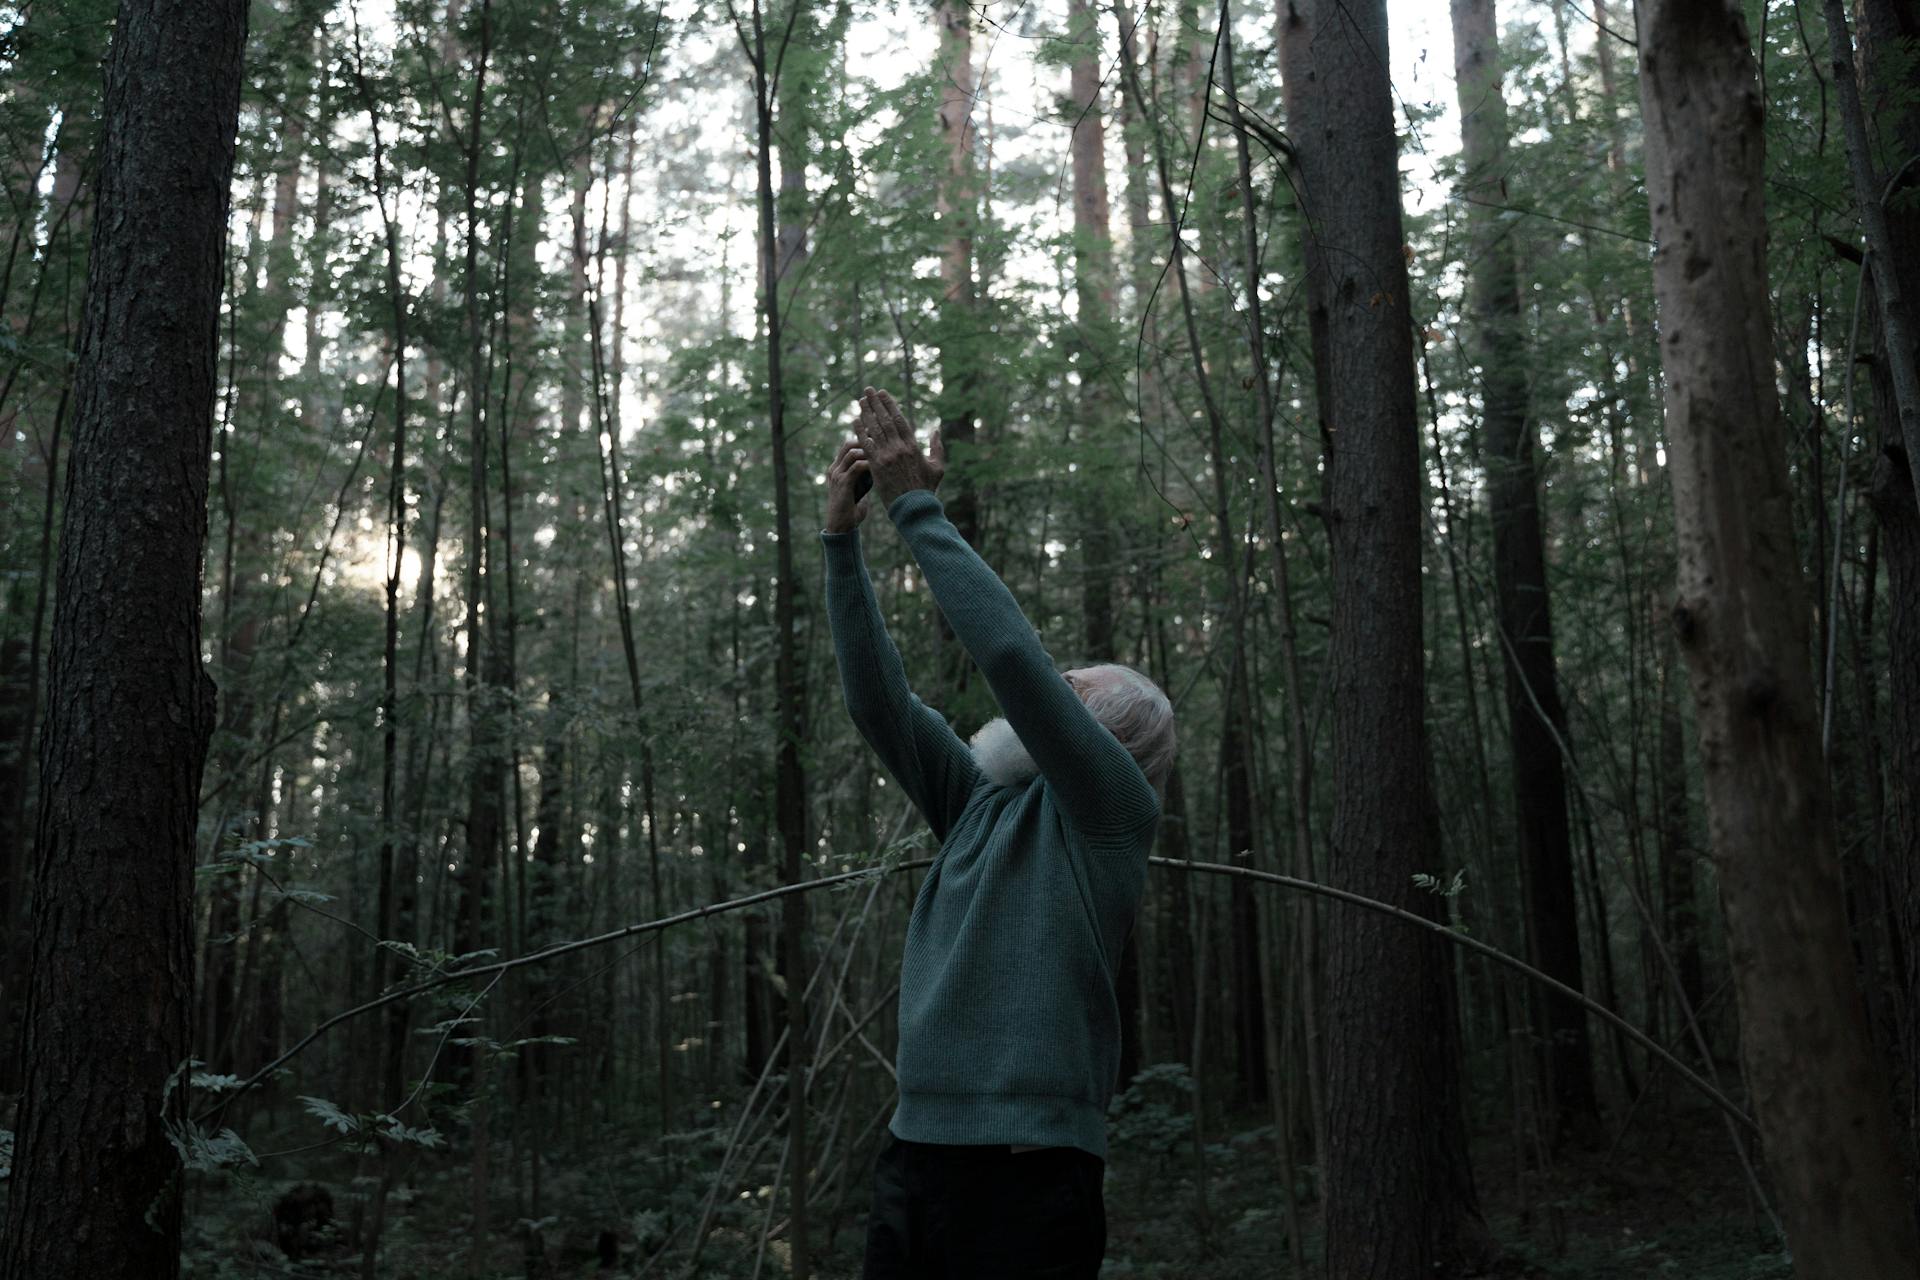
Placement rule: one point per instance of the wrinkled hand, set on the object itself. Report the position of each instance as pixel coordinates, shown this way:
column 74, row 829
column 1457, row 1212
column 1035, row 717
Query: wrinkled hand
column 892, row 455
column 844, row 513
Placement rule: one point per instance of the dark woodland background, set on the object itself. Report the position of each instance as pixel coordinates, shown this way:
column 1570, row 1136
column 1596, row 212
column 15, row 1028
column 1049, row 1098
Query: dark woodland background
column 537, row 324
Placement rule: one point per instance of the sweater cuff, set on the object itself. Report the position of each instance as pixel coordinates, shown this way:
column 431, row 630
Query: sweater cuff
column 912, row 505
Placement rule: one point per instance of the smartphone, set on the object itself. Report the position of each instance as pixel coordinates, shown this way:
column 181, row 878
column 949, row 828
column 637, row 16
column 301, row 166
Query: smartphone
column 862, row 485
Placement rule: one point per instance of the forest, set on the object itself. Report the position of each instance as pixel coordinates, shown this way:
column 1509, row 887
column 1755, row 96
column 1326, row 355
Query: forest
column 433, row 837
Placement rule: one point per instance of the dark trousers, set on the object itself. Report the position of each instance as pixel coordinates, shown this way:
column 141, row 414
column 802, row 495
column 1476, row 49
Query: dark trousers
column 985, row 1213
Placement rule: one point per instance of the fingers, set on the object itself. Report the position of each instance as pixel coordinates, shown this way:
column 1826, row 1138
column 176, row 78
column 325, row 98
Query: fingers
column 875, row 419
column 894, row 416
column 847, row 461
column 937, row 448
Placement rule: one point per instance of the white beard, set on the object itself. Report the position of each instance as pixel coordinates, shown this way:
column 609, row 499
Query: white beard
column 1001, row 755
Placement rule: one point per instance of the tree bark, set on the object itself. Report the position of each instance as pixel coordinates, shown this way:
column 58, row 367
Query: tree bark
column 1892, row 496
column 1898, row 324
column 790, row 797
column 1299, row 772
column 1400, row 1197
column 387, row 1080
column 958, row 204
column 1818, row 1089
column 1536, row 719
column 1094, row 286
column 1680, row 910
column 1245, row 977
column 17, row 738
column 1889, row 34
column 482, row 679
column 96, row 1181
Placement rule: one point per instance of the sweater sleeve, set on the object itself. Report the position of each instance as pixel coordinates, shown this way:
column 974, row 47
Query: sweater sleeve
column 1095, row 780
column 913, row 741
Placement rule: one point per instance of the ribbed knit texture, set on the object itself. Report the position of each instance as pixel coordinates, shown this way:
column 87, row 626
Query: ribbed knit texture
column 1009, row 1026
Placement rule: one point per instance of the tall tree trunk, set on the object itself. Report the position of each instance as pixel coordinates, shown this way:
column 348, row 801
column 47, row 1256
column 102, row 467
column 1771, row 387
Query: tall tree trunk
column 387, row 1080
column 485, row 768
column 1301, row 95
column 958, row 202
column 96, row 1179
column 16, row 743
column 1892, row 495
column 240, row 622
column 790, row 797
column 1236, row 740
column 238, row 636
column 1095, row 332
column 1299, row 769
column 1819, row 1092
column 1899, row 325
column 1300, row 99
column 1536, row 719
column 1889, row 35
column 1400, row 1197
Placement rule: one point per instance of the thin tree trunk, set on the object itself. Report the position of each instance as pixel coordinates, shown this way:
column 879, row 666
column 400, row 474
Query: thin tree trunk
column 1093, row 283
column 1300, row 100
column 1536, row 719
column 485, row 769
column 388, row 1077
column 1900, row 539
column 1094, row 286
column 790, row 797
column 1898, row 324
column 96, row 1185
column 1889, row 34
column 1299, row 764
column 1243, row 938
column 1819, row 1091
column 957, row 201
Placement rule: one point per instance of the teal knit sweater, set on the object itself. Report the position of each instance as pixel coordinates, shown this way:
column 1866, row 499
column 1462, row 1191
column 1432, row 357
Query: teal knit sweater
column 1009, row 1027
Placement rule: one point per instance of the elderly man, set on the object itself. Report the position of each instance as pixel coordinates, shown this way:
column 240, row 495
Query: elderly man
column 1009, row 1027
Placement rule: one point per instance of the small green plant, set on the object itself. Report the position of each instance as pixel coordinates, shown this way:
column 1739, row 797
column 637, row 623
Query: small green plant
column 1449, row 887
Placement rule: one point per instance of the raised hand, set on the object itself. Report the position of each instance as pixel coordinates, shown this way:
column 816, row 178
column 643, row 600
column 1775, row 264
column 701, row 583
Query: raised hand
column 845, row 510
column 892, row 454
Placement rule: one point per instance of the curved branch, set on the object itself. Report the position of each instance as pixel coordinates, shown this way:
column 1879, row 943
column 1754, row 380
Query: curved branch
column 1521, row 967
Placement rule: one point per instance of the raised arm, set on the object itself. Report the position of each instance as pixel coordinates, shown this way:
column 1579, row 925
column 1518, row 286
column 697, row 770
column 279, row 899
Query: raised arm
column 913, row 741
column 1094, row 777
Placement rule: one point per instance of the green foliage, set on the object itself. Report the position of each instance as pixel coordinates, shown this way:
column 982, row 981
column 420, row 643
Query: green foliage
column 202, row 1150
column 1154, row 1113
column 1442, row 887
column 371, row 1127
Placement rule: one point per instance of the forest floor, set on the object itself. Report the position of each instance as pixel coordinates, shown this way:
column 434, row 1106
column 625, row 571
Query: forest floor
column 1668, row 1200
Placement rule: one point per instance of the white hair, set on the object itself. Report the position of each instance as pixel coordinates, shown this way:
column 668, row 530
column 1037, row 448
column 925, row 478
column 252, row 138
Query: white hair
column 1133, row 709
column 1127, row 704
